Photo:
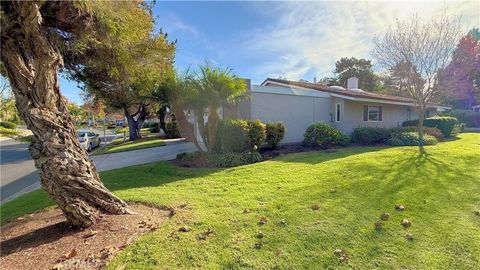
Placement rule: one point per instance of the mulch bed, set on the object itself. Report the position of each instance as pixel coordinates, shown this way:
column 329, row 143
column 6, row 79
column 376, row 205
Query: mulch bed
column 44, row 240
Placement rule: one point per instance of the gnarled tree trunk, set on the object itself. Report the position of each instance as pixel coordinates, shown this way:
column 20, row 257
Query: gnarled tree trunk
column 32, row 61
column 186, row 129
column 135, row 124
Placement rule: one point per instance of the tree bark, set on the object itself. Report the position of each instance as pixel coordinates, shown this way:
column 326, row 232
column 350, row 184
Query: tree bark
column 135, row 125
column 32, row 62
column 186, row 129
column 421, row 117
column 213, row 118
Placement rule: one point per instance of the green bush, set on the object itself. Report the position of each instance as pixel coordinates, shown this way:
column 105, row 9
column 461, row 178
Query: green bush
column 172, row 130
column 370, row 135
column 409, row 139
column 323, row 135
column 445, row 124
column 256, row 133
column 237, row 135
column 470, row 118
column 188, row 156
column 232, row 159
column 9, row 125
column 154, row 127
column 232, row 136
column 274, row 134
column 8, row 131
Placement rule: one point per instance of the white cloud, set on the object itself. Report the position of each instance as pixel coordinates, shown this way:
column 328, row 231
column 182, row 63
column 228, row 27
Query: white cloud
column 308, row 37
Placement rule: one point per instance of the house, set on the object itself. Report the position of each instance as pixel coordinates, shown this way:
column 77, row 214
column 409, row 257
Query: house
column 476, row 108
column 298, row 104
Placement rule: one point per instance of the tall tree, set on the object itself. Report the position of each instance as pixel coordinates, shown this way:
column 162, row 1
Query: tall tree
column 123, row 71
column 34, row 35
column 361, row 68
column 416, row 51
column 461, row 78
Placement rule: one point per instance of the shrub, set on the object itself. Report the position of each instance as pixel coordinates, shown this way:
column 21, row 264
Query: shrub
column 256, row 133
column 470, row 118
column 236, row 135
column 171, row 130
column 445, row 124
column 154, row 127
column 9, row 125
column 435, row 132
column 232, row 159
column 409, row 139
column 232, row 136
column 323, row 135
column 370, row 135
column 274, row 134
column 188, row 156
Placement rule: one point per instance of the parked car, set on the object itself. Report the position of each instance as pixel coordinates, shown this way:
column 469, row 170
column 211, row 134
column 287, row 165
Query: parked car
column 88, row 139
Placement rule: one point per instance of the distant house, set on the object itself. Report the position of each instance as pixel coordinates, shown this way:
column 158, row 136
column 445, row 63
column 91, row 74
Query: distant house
column 299, row 103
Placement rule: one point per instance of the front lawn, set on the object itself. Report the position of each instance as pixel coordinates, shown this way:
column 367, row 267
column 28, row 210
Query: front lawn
column 440, row 193
column 119, row 145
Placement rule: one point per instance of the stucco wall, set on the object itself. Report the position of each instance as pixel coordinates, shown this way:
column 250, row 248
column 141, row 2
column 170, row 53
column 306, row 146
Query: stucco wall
column 296, row 112
column 393, row 115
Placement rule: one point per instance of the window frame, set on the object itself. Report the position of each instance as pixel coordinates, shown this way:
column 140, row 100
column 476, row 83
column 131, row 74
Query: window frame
column 379, row 113
column 338, row 112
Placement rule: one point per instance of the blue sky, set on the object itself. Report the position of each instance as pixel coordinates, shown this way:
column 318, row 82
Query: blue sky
column 295, row 40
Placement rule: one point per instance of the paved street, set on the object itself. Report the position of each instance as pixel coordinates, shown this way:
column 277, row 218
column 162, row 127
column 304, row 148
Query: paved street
column 18, row 174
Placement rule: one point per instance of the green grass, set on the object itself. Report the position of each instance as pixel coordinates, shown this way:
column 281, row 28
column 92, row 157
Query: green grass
column 119, row 145
column 440, row 192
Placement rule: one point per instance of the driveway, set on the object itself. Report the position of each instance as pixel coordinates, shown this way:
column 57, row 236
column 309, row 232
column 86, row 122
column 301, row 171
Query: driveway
column 19, row 175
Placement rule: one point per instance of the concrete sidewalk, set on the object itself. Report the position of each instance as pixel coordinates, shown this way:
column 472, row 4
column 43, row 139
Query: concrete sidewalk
column 26, row 179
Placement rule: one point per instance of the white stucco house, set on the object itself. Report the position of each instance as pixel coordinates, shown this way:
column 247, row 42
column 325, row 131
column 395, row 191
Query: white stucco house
column 298, row 104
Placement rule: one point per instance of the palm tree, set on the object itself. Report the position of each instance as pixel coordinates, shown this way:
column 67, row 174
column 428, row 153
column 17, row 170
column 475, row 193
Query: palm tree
column 203, row 93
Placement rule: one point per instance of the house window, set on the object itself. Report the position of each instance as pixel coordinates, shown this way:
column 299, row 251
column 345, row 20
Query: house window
column 409, row 113
column 337, row 112
column 372, row 113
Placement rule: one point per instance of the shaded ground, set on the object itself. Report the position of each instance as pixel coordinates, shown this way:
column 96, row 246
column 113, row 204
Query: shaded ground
column 44, row 240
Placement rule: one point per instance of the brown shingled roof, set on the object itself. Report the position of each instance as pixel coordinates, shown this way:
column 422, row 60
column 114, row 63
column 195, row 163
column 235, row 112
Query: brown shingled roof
column 350, row 93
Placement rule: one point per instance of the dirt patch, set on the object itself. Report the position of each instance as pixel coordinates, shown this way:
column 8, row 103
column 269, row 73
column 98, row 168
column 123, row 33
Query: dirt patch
column 44, row 240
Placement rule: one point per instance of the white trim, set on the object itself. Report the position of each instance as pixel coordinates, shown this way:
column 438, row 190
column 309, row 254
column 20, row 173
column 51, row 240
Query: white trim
column 338, row 107
column 368, row 113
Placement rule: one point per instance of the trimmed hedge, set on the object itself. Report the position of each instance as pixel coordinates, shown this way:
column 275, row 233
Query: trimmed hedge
column 232, row 136
column 256, row 133
column 232, row 159
column 324, row 135
column 370, row 135
column 376, row 135
column 172, row 131
column 470, row 118
column 275, row 132
column 237, row 135
column 445, row 124
column 7, row 124
column 410, row 139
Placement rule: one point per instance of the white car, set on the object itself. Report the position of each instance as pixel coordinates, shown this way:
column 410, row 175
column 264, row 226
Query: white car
column 88, row 139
